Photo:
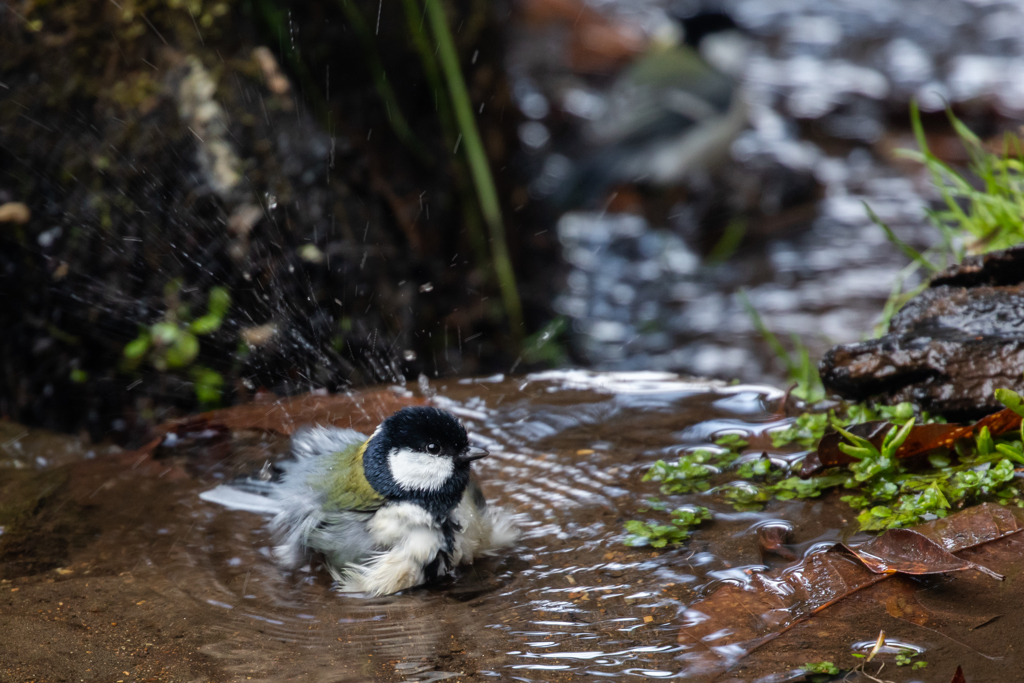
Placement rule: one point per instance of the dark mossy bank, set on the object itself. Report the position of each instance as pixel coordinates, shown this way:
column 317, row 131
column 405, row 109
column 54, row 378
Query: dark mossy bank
column 225, row 197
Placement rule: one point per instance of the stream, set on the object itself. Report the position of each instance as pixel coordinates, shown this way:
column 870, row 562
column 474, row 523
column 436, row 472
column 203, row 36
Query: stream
column 128, row 576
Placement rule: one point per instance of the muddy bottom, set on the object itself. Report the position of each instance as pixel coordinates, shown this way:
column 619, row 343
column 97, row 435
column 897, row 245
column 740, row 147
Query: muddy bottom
column 119, row 572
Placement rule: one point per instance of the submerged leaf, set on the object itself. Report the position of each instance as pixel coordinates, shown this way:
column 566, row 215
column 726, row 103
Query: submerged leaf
column 285, row 415
column 910, row 552
column 735, row 620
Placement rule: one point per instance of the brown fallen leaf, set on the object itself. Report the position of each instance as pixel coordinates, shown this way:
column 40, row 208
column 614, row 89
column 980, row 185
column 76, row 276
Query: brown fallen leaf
column 735, row 620
column 910, row 552
column 362, row 412
column 906, row 606
column 922, row 439
column 958, row 677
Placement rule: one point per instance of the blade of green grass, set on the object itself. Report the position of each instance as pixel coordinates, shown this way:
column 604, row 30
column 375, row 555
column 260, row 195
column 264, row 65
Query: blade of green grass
column 777, row 348
column 909, row 251
column 479, row 168
column 730, row 240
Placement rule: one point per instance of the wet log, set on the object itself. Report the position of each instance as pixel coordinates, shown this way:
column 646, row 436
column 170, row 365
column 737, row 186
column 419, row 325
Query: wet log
column 949, row 348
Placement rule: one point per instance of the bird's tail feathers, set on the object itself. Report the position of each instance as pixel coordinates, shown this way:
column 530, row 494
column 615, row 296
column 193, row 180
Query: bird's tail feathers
column 250, row 495
column 292, row 532
column 504, row 530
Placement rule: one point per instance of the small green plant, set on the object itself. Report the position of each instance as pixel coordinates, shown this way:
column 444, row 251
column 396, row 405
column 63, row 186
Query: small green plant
column 984, row 207
column 729, row 242
column 675, row 532
column 547, row 345
column 690, row 472
column 976, row 219
column 476, row 158
column 884, row 490
column 821, row 668
column 905, row 657
column 808, row 428
column 173, row 342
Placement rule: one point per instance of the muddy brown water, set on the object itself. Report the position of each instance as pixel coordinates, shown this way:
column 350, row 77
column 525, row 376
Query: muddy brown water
column 123, row 574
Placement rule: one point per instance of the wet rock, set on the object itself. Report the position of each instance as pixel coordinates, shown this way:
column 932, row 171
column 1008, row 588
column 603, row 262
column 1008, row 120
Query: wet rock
column 949, row 348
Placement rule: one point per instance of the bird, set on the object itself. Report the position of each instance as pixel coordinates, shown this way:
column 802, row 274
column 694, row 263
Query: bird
column 385, row 513
column 669, row 114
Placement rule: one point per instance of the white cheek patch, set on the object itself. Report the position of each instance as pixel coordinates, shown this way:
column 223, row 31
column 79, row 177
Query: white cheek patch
column 420, row 471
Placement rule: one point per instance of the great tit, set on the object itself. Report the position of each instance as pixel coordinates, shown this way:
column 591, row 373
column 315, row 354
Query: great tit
column 667, row 115
column 386, row 513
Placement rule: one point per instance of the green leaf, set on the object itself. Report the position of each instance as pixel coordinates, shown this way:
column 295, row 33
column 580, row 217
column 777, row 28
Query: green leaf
column 821, row 668
column 1011, row 399
column 661, row 535
column 895, row 438
column 205, row 324
column 165, row 333
column 733, row 442
column 208, row 386
column 183, row 351
column 908, row 251
column 219, row 302
column 137, row 347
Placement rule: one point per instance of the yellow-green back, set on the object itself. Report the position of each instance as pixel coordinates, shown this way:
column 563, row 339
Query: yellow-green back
column 345, row 484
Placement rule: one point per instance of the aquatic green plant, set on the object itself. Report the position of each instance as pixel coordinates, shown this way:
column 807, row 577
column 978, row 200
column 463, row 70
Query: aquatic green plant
column 808, row 428
column 885, row 491
column 905, row 657
column 821, row 668
column 890, row 494
column 659, row 535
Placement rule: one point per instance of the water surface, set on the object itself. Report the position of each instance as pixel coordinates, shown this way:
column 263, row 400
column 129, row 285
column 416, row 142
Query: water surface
column 129, row 576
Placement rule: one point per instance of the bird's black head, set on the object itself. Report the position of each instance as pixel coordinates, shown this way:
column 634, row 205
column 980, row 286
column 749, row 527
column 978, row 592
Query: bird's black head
column 421, row 454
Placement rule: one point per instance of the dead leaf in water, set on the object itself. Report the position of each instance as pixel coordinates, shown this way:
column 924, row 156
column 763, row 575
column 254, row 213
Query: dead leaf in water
column 922, row 439
column 735, row 620
column 284, row 415
column 362, row 412
column 909, row 552
column 958, row 677
column 908, row 608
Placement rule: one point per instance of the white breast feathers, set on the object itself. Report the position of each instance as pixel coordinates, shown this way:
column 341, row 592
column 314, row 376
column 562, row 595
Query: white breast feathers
column 413, row 540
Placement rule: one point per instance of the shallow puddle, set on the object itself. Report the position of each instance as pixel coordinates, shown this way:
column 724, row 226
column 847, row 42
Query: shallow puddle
column 123, row 574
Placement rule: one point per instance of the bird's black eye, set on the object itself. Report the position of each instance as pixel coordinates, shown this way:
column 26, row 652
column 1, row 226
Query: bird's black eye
column 433, row 448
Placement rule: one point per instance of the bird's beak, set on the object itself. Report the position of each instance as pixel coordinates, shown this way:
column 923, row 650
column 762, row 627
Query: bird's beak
column 473, row 453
